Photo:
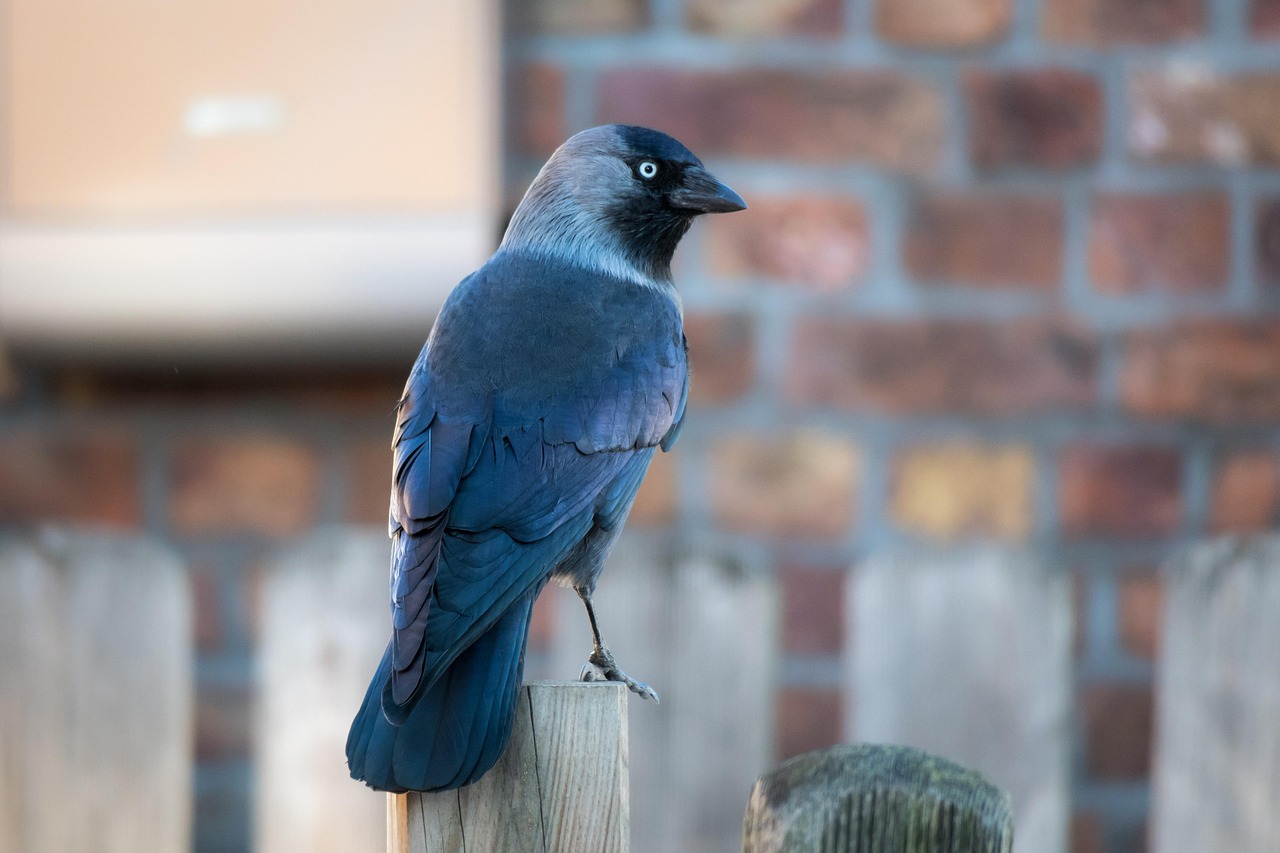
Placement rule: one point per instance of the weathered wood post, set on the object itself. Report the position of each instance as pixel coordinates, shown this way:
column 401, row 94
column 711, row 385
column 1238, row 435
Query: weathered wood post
column 1216, row 783
column 95, row 695
column 561, row 785
column 874, row 798
column 967, row 653
column 323, row 625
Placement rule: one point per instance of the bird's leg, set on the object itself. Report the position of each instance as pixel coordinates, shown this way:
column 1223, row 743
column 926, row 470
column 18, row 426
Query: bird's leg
column 601, row 666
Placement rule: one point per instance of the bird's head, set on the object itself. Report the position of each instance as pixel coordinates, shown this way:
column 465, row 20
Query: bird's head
column 617, row 198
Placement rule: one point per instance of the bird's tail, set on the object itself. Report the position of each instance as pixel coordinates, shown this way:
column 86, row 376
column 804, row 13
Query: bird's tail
column 458, row 728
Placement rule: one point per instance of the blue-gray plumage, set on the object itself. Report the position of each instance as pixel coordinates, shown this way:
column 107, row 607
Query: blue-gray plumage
column 551, row 376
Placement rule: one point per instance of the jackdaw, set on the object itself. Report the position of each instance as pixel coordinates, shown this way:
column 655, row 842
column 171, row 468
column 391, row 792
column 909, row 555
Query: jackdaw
column 551, row 376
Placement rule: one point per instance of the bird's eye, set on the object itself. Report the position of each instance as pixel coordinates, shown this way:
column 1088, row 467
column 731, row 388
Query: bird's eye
column 647, row 169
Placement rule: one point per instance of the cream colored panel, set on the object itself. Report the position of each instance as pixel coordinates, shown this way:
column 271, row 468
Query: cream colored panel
column 160, row 107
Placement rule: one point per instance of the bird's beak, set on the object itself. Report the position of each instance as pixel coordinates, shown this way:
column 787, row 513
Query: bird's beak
column 699, row 191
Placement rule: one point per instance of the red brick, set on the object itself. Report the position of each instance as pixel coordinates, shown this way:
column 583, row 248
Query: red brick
column 818, row 242
column 578, row 17
column 765, row 17
column 10, row 385
column 1264, row 18
column 252, row 582
column 223, row 723
column 1170, row 242
column 943, row 23
column 1126, row 490
column 797, row 484
column 542, row 625
column 537, row 97
column 1192, row 115
column 1141, row 596
column 657, row 498
column 1049, row 118
column 1108, row 22
column 964, row 239
column 251, row 484
column 368, row 470
column 883, row 118
column 1214, row 371
column 1246, row 493
column 721, row 357
column 1117, row 729
column 812, row 610
column 1086, row 833
column 934, row 366
column 207, row 616
column 71, row 475
column 808, row 719
column 1266, row 243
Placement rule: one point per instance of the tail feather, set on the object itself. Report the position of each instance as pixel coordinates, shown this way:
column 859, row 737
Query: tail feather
column 458, row 728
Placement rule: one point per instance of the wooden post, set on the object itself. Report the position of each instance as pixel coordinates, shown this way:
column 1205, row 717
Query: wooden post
column 95, row 695
column 324, row 624
column 968, row 654
column 561, row 785
column 1216, row 779
column 872, row 798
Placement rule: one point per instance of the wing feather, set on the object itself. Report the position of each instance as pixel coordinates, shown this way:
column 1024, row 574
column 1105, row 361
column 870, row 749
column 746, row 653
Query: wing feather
column 493, row 490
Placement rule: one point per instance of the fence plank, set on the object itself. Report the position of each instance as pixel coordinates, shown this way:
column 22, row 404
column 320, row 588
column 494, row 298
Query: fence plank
column 561, row 784
column 1217, row 768
column 968, row 655
column 324, row 626
column 703, row 633
column 95, row 695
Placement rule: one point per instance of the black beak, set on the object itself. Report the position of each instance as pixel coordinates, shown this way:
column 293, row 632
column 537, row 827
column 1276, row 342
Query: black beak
column 700, row 192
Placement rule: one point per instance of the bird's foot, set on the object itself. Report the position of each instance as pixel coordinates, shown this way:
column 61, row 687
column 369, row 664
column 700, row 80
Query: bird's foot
column 602, row 667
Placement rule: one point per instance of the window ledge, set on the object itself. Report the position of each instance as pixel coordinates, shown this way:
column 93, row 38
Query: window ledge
column 231, row 291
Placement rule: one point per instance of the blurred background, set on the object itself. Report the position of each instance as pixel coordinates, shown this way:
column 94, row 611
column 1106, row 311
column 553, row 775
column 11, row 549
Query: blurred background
column 1009, row 279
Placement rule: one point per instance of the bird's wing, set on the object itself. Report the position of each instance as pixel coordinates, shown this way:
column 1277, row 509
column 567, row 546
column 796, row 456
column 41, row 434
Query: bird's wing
column 538, row 489
column 430, row 452
column 674, row 432
column 489, row 498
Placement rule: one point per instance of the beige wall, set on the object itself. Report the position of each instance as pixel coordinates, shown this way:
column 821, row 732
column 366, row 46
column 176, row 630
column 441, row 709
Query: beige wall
column 335, row 106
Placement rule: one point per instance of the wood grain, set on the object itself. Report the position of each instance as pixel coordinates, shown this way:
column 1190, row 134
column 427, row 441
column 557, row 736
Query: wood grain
column 968, row 655
column 95, row 696
column 1217, row 765
column 561, row 784
column 876, row 798
column 324, row 626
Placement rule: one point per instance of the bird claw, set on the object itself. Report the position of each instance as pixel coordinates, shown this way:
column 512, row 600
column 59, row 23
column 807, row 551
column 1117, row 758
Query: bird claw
column 602, row 667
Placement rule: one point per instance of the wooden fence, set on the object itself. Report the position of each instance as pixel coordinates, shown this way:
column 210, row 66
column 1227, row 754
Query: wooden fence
column 95, row 696
column 1217, row 773
column 968, row 655
column 325, row 622
column 964, row 654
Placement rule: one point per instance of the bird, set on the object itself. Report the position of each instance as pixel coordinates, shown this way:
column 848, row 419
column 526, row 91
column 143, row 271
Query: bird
column 551, row 376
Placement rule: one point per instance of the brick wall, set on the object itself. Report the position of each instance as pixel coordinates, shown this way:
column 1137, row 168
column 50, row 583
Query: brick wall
column 227, row 468
column 1010, row 272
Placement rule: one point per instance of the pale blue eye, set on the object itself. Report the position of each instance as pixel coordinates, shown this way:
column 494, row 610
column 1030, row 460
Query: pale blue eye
column 647, row 169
